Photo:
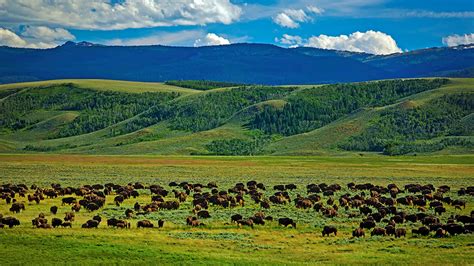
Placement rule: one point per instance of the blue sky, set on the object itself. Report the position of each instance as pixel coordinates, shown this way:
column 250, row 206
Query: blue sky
column 374, row 26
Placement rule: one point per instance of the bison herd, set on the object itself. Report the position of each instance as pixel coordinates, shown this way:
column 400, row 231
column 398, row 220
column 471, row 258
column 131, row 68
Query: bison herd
column 381, row 210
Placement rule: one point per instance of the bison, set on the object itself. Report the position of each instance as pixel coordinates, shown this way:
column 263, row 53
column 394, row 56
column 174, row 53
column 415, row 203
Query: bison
column 378, row 231
column 399, row 232
column 327, row 230
column 358, row 232
column 286, row 222
column 144, row 224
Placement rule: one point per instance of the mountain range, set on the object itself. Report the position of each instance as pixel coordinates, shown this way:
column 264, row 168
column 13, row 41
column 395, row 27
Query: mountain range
column 242, row 63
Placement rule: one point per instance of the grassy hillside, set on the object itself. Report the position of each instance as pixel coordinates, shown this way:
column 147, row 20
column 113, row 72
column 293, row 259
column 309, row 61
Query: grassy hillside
column 117, row 117
column 103, row 85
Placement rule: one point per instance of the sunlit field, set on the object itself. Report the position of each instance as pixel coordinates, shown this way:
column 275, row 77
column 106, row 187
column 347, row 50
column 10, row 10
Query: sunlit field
column 219, row 241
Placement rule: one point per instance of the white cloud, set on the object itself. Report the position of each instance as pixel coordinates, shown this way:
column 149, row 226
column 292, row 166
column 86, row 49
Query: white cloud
column 35, row 37
column 47, row 34
column 186, row 37
column 290, row 40
column 455, row 40
column 315, row 10
column 104, row 15
column 9, row 38
column 211, row 39
column 290, row 18
column 373, row 42
column 284, row 20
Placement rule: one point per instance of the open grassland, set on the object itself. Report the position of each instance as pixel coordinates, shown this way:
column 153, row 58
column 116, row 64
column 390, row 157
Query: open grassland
column 219, row 242
column 104, row 85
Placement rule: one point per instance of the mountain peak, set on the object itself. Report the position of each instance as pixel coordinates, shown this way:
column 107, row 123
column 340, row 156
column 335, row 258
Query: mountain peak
column 81, row 44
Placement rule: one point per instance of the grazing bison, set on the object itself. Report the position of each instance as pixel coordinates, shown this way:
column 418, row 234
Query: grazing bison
column 440, row 210
column 424, row 231
column 69, row 217
column 144, row 224
column 286, row 222
column 44, row 226
column 53, row 209
column 10, row 221
column 128, row 213
column 390, row 230
column 440, row 233
column 69, row 200
column 454, row 229
column 358, row 232
column 378, row 231
column 97, row 218
column 56, row 222
column 265, row 204
column 203, row 214
column 248, row 222
column 329, row 229
column 193, row 221
column 66, row 224
column 91, row 224
column 234, row 218
column 399, row 232
column 367, row 224
column 17, row 207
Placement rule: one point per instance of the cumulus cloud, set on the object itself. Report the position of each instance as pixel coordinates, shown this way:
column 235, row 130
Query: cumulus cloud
column 315, row 10
column 47, row 34
column 455, row 40
column 107, row 15
column 34, row 37
column 211, row 39
column 372, row 42
column 290, row 40
column 186, row 37
column 9, row 38
column 291, row 18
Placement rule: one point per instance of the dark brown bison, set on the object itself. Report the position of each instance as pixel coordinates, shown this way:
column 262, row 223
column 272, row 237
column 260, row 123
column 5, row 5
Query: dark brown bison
column 440, row 232
column 17, row 207
column 390, row 230
column 440, row 210
column 10, row 221
column 399, row 232
column 203, row 214
column 248, row 222
column 378, row 231
column 91, row 224
column 56, row 222
column 144, row 224
column 66, row 224
column 53, row 209
column 69, row 216
column 44, row 226
column 424, row 231
column 68, row 200
column 368, row 224
column 286, row 222
column 358, row 232
column 454, row 229
column 234, row 218
column 161, row 223
column 193, row 221
column 128, row 213
column 329, row 229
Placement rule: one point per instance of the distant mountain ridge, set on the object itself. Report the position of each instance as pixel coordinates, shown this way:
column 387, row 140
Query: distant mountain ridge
column 241, row 63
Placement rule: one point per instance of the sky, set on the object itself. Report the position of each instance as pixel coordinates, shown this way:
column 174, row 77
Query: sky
column 372, row 26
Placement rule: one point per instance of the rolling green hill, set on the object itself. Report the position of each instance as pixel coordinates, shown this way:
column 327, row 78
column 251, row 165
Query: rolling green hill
column 389, row 117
